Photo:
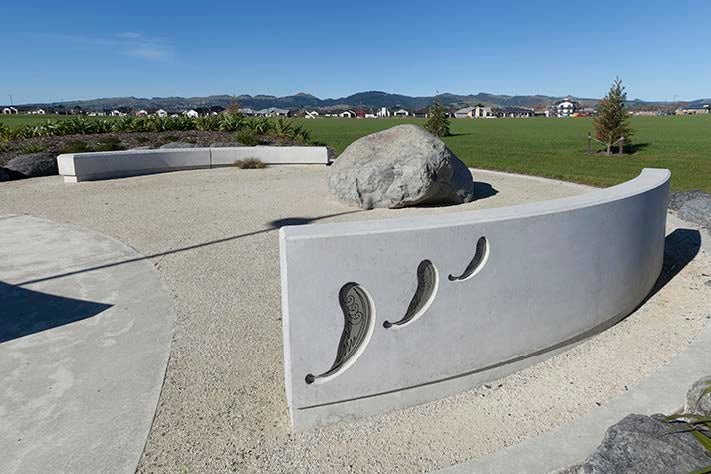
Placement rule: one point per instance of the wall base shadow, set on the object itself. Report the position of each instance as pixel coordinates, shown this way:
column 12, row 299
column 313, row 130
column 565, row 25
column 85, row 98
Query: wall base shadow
column 680, row 248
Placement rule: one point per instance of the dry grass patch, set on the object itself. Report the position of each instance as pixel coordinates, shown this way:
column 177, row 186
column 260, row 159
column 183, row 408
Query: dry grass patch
column 250, row 164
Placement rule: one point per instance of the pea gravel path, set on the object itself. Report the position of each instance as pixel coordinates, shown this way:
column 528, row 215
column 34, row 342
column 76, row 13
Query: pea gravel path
column 212, row 236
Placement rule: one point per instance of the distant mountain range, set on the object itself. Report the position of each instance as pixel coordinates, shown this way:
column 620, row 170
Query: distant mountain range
column 370, row 99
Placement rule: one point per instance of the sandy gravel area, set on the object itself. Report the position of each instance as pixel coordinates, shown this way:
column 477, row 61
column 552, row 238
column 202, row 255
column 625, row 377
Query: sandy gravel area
column 212, row 236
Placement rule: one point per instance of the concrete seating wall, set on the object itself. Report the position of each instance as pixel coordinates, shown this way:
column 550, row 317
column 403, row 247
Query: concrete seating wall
column 387, row 314
column 118, row 164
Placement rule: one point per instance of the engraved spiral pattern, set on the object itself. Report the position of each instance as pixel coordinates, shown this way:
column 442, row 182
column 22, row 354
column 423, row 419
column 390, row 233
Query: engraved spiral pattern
column 358, row 313
column 477, row 261
column 426, row 285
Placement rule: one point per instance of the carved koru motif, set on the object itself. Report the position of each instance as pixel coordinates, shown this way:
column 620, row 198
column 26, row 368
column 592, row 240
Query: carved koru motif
column 358, row 313
column 478, row 261
column 424, row 294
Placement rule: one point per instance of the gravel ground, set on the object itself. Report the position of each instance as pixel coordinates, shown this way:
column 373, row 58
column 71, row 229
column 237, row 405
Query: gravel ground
column 211, row 235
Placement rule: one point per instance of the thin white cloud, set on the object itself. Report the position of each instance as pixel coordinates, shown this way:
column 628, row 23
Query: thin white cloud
column 130, row 35
column 126, row 43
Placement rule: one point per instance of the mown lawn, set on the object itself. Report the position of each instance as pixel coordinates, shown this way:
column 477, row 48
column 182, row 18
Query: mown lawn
column 546, row 147
column 555, row 148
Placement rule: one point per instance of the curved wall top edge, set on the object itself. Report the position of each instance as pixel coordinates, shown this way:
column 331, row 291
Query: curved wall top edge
column 648, row 180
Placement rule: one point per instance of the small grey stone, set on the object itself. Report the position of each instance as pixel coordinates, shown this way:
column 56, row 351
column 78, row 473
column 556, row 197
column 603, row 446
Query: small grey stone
column 4, row 175
column 32, row 165
column 644, row 444
column 697, row 401
column 178, row 145
column 697, row 211
column 399, row 167
column 679, row 198
column 226, row 144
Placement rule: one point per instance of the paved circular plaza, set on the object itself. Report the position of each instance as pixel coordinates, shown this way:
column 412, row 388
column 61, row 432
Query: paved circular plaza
column 212, row 239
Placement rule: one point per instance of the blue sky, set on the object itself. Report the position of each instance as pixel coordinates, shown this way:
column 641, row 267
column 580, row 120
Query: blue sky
column 52, row 50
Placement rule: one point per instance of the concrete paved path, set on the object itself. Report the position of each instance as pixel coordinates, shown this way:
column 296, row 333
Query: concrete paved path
column 85, row 333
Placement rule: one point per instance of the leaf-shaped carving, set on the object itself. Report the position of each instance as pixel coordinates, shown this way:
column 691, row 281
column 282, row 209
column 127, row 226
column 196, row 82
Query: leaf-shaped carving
column 427, row 282
column 358, row 313
column 477, row 263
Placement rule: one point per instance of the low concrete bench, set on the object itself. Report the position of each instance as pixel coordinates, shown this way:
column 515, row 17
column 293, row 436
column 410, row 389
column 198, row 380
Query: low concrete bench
column 77, row 167
column 386, row 314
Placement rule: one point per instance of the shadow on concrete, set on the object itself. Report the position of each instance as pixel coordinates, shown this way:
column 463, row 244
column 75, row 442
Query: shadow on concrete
column 483, row 190
column 26, row 312
column 273, row 225
column 680, row 248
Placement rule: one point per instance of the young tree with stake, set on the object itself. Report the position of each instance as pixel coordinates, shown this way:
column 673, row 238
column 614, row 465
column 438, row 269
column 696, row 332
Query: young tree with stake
column 611, row 121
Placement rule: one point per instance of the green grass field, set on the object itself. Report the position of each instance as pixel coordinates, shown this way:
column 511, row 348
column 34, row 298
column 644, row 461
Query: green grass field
column 555, row 148
column 546, row 147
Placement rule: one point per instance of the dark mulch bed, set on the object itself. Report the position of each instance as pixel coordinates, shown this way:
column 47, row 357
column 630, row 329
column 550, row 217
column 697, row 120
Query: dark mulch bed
column 58, row 145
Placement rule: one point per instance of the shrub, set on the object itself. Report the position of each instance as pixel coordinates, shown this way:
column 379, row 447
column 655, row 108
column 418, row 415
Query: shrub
column 76, row 146
column 109, row 144
column 247, row 137
column 33, row 148
column 250, row 163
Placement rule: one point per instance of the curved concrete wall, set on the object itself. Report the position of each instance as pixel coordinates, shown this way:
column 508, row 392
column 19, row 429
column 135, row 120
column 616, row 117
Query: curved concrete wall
column 77, row 167
column 386, row 314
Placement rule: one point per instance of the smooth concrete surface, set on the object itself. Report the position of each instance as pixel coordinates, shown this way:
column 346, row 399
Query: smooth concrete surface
column 663, row 392
column 77, row 167
column 271, row 155
column 552, row 273
column 85, row 333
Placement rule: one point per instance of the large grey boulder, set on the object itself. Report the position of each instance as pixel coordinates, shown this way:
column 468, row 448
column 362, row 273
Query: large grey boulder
column 644, row 444
column 32, row 165
column 399, row 167
column 697, row 211
column 178, row 145
column 698, row 398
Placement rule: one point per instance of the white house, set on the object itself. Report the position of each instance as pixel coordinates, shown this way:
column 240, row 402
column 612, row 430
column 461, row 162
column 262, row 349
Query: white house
column 347, row 114
column 161, row 113
column 191, row 113
column 383, row 112
column 272, row 112
column 141, row 113
column 401, row 113
column 312, row 114
column 566, row 107
column 694, row 109
column 9, row 110
column 478, row 111
column 38, row 112
column 116, row 113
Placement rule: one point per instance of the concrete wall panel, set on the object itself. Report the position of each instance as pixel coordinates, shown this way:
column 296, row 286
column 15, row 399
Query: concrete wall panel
column 118, row 164
column 386, row 314
column 272, row 155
